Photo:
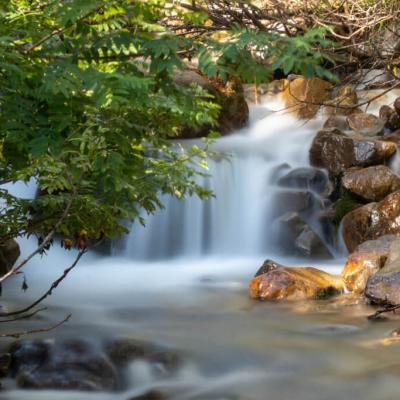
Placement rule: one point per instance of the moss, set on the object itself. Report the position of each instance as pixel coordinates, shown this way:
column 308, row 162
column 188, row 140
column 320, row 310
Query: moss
column 326, row 293
column 343, row 206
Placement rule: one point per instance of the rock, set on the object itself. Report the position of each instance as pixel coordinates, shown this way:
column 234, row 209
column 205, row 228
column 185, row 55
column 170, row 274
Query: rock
column 297, row 235
column 267, row 266
column 234, row 113
column 366, row 124
column 307, row 178
column 344, row 102
column 396, row 105
column 304, row 96
column 333, row 150
column 5, row 364
column 366, row 260
column 372, row 221
column 293, row 200
column 150, row 395
column 369, row 79
column 297, row 283
column 390, row 117
column 73, row 365
column 384, row 288
column 337, row 121
column 372, row 183
column 9, row 253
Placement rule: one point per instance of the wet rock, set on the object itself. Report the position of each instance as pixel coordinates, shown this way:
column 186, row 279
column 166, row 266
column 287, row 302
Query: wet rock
column 304, row 96
column 151, row 395
column 344, row 102
column 372, row 221
column 297, row 235
column 297, row 283
column 73, row 364
column 390, row 117
column 234, row 113
column 293, row 200
column 366, row 124
column 372, row 183
column 384, row 288
column 333, row 150
column 9, row 253
column 307, row 178
column 267, row 266
column 396, row 105
column 366, row 260
column 124, row 350
column 337, row 121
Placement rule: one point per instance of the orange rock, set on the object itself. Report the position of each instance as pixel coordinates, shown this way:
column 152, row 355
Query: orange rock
column 367, row 259
column 297, row 283
column 305, row 96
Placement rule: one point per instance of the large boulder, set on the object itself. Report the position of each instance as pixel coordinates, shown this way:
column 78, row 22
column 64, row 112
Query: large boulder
column 366, row 260
column 372, row 221
column 9, row 253
column 305, row 96
column 372, row 183
column 337, row 152
column 297, row 283
column 366, row 124
column 293, row 200
column 234, row 113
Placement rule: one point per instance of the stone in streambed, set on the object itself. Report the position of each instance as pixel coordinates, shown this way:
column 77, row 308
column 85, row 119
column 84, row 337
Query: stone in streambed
column 390, row 117
column 297, row 235
column 372, row 183
column 293, row 200
column 297, row 283
column 307, row 178
column 371, row 221
column 366, row 124
column 337, row 152
column 366, row 260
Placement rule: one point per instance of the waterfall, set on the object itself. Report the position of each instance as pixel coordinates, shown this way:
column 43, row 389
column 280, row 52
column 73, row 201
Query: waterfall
column 239, row 220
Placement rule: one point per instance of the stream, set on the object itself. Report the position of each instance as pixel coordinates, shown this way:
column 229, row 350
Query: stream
column 182, row 282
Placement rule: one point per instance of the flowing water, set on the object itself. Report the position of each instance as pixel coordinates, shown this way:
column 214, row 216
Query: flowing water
column 182, row 282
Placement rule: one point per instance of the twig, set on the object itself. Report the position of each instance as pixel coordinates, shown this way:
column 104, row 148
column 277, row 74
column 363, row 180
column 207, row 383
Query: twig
column 26, row 316
column 39, row 330
column 384, row 310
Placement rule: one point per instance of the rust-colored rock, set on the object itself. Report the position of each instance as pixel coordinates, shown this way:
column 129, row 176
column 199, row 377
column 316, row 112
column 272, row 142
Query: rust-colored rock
column 372, row 183
column 343, row 103
column 297, row 283
column 366, row 260
column 305, row 96
column 372, row 221
column 333, row 150
column 366, row 124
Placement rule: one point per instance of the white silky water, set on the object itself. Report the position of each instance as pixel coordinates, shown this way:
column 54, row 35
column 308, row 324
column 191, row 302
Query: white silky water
column 182, row 282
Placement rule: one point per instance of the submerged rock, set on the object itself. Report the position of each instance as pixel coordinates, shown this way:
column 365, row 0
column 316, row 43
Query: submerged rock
column 366, row 124
column 150, row 395
column 372, row 221
column 337, row 121
column 73, row 364
column 234, row 113
column 297, row 283
column 305, row 96
column 293, row 200
column 372, row 183
column 333, row 150
column 366, row 260
column 307, row 178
